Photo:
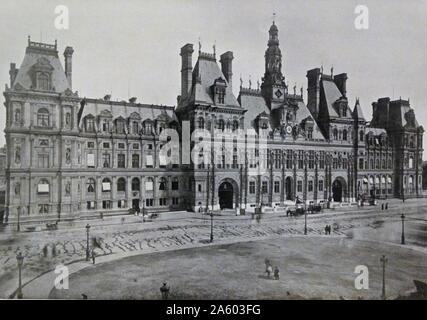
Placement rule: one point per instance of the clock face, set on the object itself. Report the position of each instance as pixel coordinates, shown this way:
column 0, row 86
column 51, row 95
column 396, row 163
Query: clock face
column 278, row 93
column 288, row 129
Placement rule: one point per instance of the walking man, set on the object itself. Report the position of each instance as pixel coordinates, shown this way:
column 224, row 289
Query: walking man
column 164, row 290
column 276, row 273
column 93, row 256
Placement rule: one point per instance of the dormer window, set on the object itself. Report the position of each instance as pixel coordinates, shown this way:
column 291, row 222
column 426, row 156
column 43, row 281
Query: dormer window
column 120, row 126
column 41, row 74
column 90, row 124
column 344, row 111
column 218, row 89
column 42, row 81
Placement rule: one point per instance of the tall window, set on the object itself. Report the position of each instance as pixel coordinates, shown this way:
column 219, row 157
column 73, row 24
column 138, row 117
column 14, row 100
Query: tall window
column 135, row 127
column 42, row 81
column 276, row 186
column 235, row 125
column 310, row 186
column 90, row 124
column 299, row 186
column 320, row 185
column 264, row 187
column 221, row 124
column 201, row 123
column 175, row 184
column 121, row 185
column 162, row 184
column 90, row 185
column 136, row 184
column 106, row 162
column 43, row 160
column 43, row 118
column 120, row 126
column 361, row 136
column 121, row 161
column 344, row 135
column 251, row 187
column 335, row 134
column 106, row 185
column 135, row 161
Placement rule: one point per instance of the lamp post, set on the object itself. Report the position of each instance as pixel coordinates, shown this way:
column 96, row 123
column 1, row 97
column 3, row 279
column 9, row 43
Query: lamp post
column 383, row 260
column 403, row 228
column 19, row 219
column 212, row 237
column 87, row 242
column 20, row 260
column 305, row 222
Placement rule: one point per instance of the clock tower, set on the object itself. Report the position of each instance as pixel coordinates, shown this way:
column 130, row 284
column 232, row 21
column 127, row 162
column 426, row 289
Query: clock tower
column 273, row 86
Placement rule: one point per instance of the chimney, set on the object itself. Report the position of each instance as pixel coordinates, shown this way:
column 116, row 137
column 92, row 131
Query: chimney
column 132, row 100
column 12, row 73
column 313, row 91
column 227, row 67
column 68, row 55
column 186, row 70
column 341, row 82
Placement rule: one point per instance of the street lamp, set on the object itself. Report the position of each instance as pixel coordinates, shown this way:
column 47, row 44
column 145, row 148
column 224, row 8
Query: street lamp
column 403, row 228
column 305, row 221
column 19, row 219
column 212, row 237
column 20, row 260
column 87, row 242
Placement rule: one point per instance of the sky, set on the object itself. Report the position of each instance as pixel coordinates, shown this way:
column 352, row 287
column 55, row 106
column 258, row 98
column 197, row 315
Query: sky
column 131, row 48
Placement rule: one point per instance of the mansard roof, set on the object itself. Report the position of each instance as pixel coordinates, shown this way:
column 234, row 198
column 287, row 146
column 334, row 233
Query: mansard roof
column 254, row 103
column 357, row 112
column 41, row 56
column 331, row 93
column 205, row 73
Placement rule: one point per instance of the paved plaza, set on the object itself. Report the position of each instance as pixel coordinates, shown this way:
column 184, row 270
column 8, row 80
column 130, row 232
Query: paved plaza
column 43, row 251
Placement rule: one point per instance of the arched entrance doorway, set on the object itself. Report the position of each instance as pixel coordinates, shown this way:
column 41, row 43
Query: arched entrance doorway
column 288, row 188
column 226, row 195
column 338, row 188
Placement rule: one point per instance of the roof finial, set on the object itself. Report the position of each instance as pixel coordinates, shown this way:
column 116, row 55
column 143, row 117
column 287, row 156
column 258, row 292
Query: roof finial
column 214, row 49
column 302, row 91
column 321, row 68
column 200, row 45
column 29, row 39
column 250, row 82
column 332, row 71
column 241, row 81
column 274, row 17
column 257, row 84
column 295, row 89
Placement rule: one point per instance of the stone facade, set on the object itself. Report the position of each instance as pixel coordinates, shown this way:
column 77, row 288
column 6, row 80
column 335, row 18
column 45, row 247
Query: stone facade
column 69, row 156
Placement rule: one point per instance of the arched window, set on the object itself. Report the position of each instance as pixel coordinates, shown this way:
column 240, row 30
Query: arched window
column 344, row 135
column 136, row 185
column 235, row 125
column 121, row 185
column 135, row 127
column 106, row 185
column 162, row 184
column 90, row 185
column 120, row 126
column 90, row 124
column 201, row 123
column 221, row 124
column 43, row 118
column 335, row 134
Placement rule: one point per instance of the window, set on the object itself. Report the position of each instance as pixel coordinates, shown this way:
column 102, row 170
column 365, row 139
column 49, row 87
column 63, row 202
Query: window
column 148, row 127
column 289, row 160
column 135, row 161
column 121, row 204
column 300, row 161
column 90, row 160
column 311, row 160
column 361, row 136
column 105, row 126
column 163, row 201
column 106, row 145
column 276, row 186
column 43, row 187
column 221, row 124
column 106, row 185
column 149, row 160
column 43, row 118
column 175, row 201
column 310, row 133
column 121, row 145
column 121, row 161
column 90, row 124
column 135, row 146
column 43, row 208
column 251, row 187
column 199, row 187
column 264, row 187
column 361, row 163
column 149, row 202
column 320, row 185
column 310, row 186
column 235, row 125
column 91, row 205
column 299, row 186
column 201, row 123
column 120, row 126
column 121, row 185
column 135, row 127
column 90, row 185
column 149, row 184
column 136, row 186
column 43, row 160
column 335, row 134
column 344, row 135
column 175, row 184
column 91, row 145
column 106, row 204
column 42, row 81
column 162, row 184
column 106, row 163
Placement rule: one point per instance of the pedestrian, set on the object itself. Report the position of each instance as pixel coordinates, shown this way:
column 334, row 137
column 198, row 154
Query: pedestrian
column 269, row 271
column 93, row 256
column 326, row 229
column 382, row 206
column 329, row 229
column 276, row 273
column 102, row 215
column 386, row 205
column 164, row 290
column 258, row 218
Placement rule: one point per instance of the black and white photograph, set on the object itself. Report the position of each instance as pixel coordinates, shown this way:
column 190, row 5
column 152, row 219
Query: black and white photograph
column 234, row 151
